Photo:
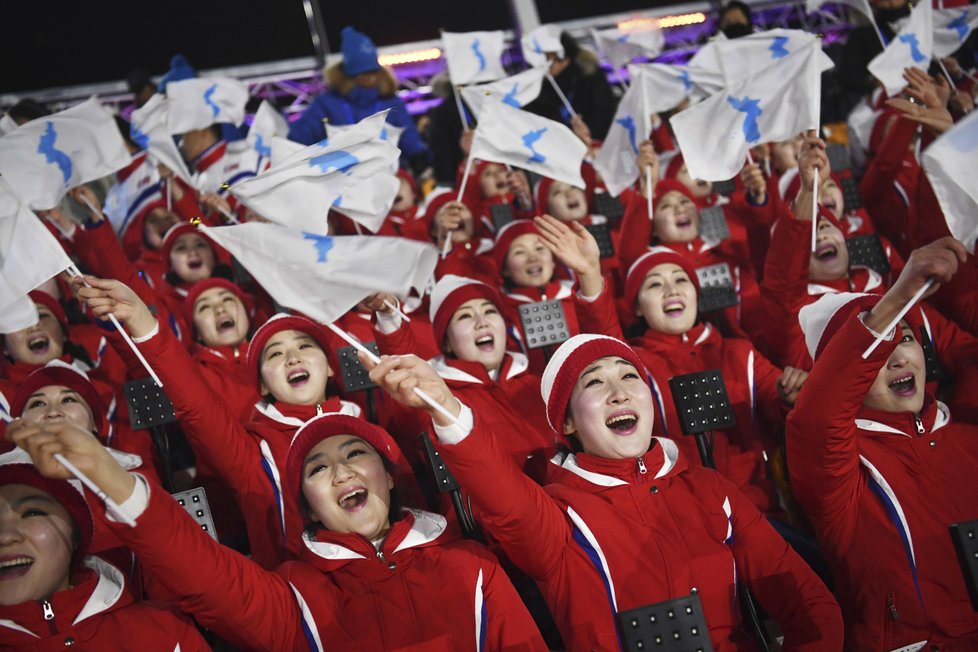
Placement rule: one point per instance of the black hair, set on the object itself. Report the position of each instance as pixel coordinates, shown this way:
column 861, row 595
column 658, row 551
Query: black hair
column 743, row 7
column 138, row 79
column 27, row 110
column 125, row 130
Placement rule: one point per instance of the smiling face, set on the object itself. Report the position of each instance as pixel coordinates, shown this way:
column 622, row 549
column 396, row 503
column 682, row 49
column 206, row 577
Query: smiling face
column 36, row 545
column 831, row 258
column 830, row 196
column 899, row 385
column 39, row 344
column 347, row 487
column 220, row 319
column 676, row 218
column 492, row 181
column 565, row 202
column 58, row 404
column 529, row 263
column 698, row 187
column 477, row 333
column 610, row 410
column 192, row 258
column 667, row 300
column 294, row 369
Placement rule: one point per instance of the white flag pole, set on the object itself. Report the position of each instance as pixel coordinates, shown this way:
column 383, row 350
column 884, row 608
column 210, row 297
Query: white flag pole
column 896, row 320
column 447, row 245
column 814, row 209
column 461, row 109
column 110, row 504
column 648, row 168
column 420, row 393
column 947, row 75
column 396, row 310
column 166, row 183
column 560, row 94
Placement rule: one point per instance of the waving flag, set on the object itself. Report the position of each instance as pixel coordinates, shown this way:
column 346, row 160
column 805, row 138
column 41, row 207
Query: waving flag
column 705, row 70
column 44, row 158
column 29, row 256
column 299, row 190
column 774, row 104
column 130, row 196
column 862, row 6
column 952, row 27
column 150, row 128
column 202, row 101
column 524, row 140
column 539, row 42
column 7, row 124
column 742, row 57
column 632, row 124
column 950, row 163
column 387, row 131
column 267, row 124
column 665, row 86
column 912, row 47
column 324, row 276
column 621, row 47
column 516, row 91
column 474, row 56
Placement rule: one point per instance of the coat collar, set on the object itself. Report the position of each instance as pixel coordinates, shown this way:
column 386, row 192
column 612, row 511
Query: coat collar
column 462, row 371
column 295, row 416
column 932, row 417
column 661, row 460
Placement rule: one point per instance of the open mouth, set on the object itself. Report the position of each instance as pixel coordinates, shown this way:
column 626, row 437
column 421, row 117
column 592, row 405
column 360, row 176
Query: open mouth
column 684, row 222
column 38, row 343
column 225, row 324
column 573, row 205
column 534, row 270
column 826, row 251
column 905, row 386
column 485, row 343
column 623, row 423
column 673, row 308
column 353, row 500
column 829, row 204
column 15, row 567
column 195, row 264
column 298, row 378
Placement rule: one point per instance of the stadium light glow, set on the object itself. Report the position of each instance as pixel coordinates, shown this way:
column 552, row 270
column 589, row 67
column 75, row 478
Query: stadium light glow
column 413, row 56
column 644, row 24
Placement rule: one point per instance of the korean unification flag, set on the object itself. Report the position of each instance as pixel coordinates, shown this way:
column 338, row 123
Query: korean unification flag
column 516, row 91
column 632, row 124
column 950, row 163
column 474, row 56
column 952, row 27
column 29, row 256
column 862, row 6
column 267, row 124
column 387, row 132
column 665, row 86
column 44, row 158
column 200, row 102
column 149, row 126
column 705, row 70
column 325, row 276
column 621, row 47
column 525, row 140
column 299, row 190
column 911, row 47
column 774, row 104
column 7, row 124
column 745, row 56
column 539, row 42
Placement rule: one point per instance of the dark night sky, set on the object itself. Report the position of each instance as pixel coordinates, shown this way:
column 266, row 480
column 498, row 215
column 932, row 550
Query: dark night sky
column 47, row 44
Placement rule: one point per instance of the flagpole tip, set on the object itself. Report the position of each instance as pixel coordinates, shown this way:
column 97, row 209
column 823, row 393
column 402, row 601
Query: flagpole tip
column 195, row 221
column 225, row 186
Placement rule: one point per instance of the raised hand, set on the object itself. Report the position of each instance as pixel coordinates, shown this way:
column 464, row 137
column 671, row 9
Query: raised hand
column 647, row 158
column 400, row 375
column 87, row 198
column 108, row 296
column 754, row 182
column 574, row 246
column 789, row 384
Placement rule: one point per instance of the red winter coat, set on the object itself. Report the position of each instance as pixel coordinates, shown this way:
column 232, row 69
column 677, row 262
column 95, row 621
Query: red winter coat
column 612, row 535
column 421, row 591
column 881, row 489
column 98, row 612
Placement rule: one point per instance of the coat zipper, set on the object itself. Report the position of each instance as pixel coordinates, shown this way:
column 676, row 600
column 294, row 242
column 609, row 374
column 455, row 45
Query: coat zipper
column 49, row 615
column 319, row 409
column 383, row 560
column 920, row 425
column 641, row 466
column 891, row 606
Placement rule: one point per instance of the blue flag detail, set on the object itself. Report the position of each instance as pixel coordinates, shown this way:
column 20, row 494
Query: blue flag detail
column 208, row 94
column 777, row 48
column 260, row 147
column 687, row 85
column 142, row 139
column 911, row 40
column 323, row 244
column 960, row 25
column 478, row 53
column 536, row 46
column 337, row 201
column 531, row 137
column 623, row 38
column 752, row 110
column 339, row 160
column 52, row 154
column 383, row 133
column 510, row 97
column 629, row 124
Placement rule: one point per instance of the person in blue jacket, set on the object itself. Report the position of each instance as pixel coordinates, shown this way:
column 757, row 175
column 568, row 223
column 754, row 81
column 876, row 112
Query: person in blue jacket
column 358, row 88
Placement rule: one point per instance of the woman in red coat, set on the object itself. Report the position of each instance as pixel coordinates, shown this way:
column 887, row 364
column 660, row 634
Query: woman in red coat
column 625, row 521
column 370, row 575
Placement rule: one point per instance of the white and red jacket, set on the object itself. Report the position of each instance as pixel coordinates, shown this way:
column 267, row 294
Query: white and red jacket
column 881, row 489
column 98, row 612
column 419, row 590
column 608, row 536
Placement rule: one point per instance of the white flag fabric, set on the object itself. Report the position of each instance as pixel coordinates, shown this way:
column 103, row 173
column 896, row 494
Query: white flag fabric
column 621, row 47
column 29, row 256
column 44, row 158
column 200, row 102
column 539, row 42
column 127, row 198
column 516, row 91
column 474, row 56
column 774, row 104
column 20, row 314
column 299, row 191
column 911, row 47
column 665, row 86
column 615, row 161
column 525, row 140
column 7, row 124
column 950, row 163
column 952, row 27
column 745, row 56
column 387, row 131
column 705, row 70
column 325, row 276
column 149, row 126
column 862, row 6
column 268, row 123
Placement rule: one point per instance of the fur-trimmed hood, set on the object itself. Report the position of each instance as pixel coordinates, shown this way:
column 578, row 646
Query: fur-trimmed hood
column 337, row 79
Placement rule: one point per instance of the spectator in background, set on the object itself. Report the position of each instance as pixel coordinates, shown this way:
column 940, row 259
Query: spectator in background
column 735, row 19
column 141, row 86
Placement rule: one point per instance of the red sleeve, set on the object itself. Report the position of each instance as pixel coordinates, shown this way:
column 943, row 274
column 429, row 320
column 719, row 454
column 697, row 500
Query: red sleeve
column 785, row 285
column 636, row 228
column 509, row 625
column 224, row 591
column 599, row 316
column 768, row 400
column 886, row 164
column 400, row 342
